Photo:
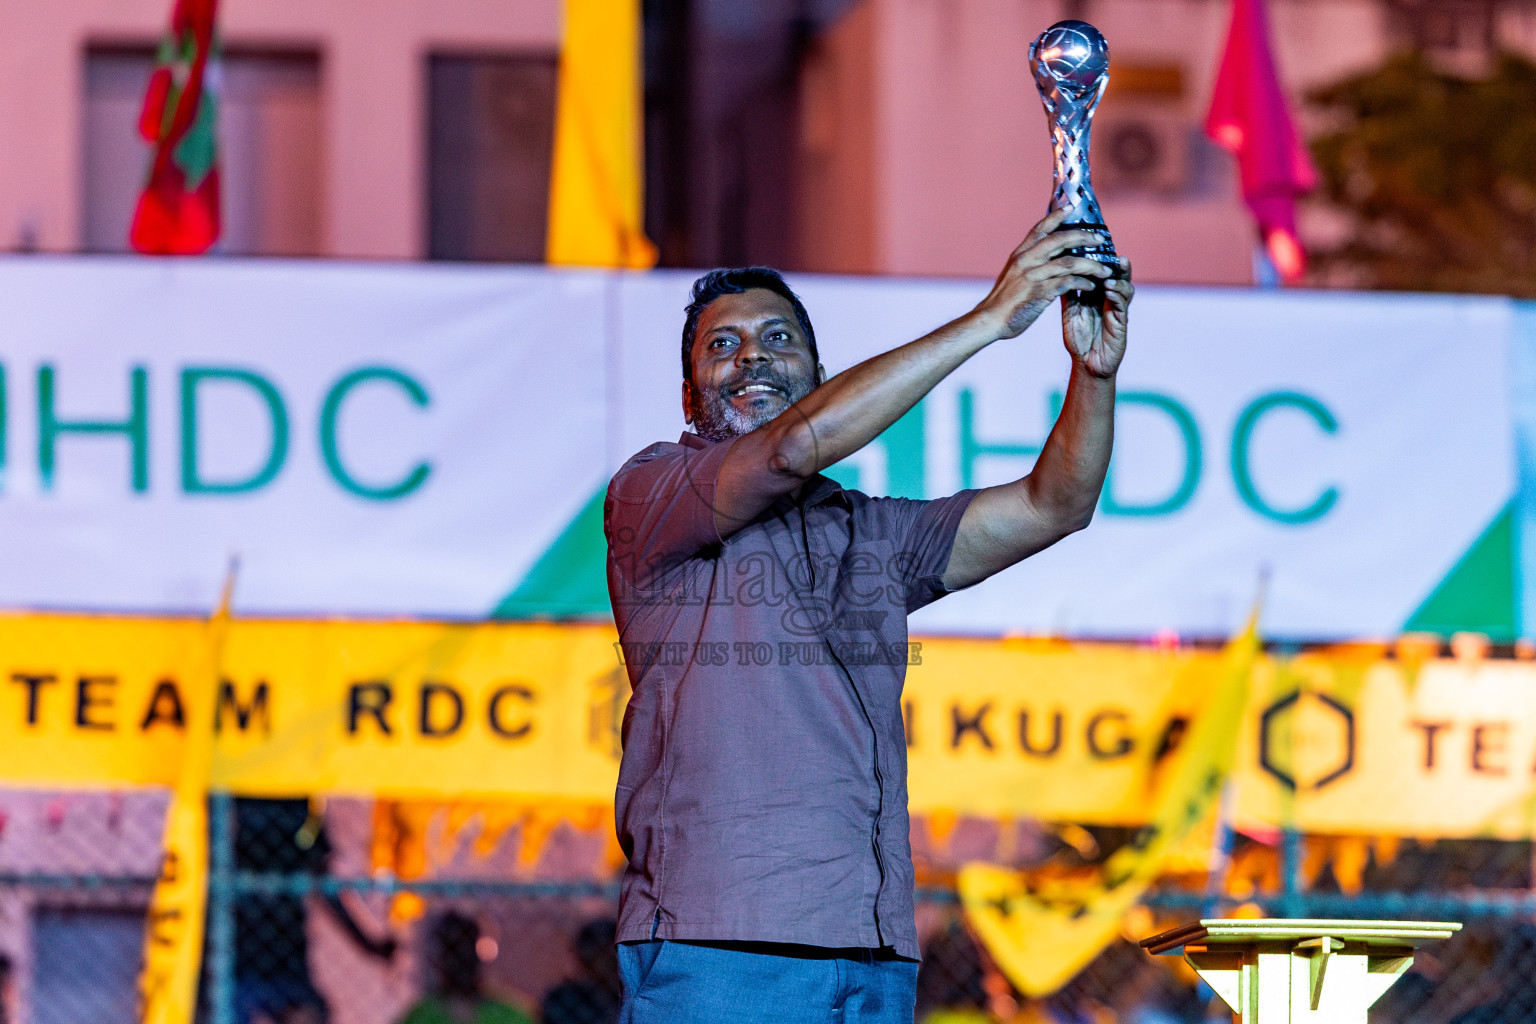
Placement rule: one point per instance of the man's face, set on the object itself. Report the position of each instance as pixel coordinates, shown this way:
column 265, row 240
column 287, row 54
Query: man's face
column 751, row 361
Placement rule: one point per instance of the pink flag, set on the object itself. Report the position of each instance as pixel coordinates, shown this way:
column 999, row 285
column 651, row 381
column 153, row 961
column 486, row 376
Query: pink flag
column 1249, row 117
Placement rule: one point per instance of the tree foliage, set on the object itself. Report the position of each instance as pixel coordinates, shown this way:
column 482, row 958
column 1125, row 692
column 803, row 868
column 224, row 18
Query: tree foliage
column 1436, row 175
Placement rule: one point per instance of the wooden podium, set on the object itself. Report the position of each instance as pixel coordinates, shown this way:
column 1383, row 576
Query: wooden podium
column 1278, row 971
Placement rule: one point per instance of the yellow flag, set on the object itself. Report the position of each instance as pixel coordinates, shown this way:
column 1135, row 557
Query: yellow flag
column 595, row 217
column 173, row 931
column 1041, row 938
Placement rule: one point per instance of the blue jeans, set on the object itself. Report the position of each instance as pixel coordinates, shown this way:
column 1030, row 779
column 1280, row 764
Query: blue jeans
column 668, row 982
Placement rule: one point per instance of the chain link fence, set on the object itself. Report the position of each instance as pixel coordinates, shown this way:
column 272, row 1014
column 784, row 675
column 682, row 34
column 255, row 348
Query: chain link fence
column 317, row 917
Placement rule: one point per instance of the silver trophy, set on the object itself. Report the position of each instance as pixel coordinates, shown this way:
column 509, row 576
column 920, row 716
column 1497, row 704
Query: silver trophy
column 1071, row 65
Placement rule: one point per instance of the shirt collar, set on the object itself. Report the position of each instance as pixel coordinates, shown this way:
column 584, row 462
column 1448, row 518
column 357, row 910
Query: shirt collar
column 819, row 490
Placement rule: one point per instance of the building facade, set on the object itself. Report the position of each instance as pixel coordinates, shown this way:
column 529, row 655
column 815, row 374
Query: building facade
column 324, row 128
column 872, row 136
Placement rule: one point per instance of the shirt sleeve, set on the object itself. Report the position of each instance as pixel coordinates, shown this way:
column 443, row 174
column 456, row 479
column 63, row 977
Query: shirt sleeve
column 924, row 532
column 660, row 510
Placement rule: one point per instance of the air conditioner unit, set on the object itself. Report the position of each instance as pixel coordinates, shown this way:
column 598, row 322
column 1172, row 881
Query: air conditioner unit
column 1141, row 147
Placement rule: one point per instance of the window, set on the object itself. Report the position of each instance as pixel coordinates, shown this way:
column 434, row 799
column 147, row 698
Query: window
column 490, row 140
column 270, row 151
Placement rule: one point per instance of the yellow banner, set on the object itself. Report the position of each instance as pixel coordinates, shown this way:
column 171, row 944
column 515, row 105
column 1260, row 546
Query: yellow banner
column 1350, row 743
column 1047, row 729
column 399, row 708
column 1344, row 741
column 1040, row 938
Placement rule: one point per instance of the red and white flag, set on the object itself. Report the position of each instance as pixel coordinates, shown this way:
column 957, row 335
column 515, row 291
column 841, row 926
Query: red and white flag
column 178, row 211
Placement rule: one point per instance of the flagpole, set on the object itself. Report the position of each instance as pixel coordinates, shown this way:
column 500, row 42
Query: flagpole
column 221, row 864
column 221, row 908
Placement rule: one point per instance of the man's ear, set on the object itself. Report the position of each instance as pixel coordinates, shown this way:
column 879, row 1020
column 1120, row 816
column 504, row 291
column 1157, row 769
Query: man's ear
column 821, row 375
column 687, row 403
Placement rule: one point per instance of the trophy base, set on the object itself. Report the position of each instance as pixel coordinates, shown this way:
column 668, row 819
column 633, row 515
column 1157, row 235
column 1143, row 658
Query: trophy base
column 1104, row 253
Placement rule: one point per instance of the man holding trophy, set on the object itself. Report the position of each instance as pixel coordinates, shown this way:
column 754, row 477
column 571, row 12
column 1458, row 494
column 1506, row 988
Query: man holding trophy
column 762, row 804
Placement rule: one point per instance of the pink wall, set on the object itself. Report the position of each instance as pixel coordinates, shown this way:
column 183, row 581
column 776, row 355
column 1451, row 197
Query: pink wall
column 961, row 158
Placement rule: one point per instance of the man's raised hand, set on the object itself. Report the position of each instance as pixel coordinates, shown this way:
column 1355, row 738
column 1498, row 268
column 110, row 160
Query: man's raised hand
column 1037, row 273
column 1096, row 337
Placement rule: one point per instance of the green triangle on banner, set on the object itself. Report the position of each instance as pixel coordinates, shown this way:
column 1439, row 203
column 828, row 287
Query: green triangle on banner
column 570, row 579
column 1478, row 594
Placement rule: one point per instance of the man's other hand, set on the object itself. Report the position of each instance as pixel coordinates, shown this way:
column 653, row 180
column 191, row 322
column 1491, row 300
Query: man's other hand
column 1095, row 337
column 1037, row 273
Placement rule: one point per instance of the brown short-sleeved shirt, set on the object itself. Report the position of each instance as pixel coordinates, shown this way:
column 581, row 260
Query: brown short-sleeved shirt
column 763, row 790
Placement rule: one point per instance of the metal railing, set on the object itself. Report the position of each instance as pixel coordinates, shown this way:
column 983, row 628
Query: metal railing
column 325, row 937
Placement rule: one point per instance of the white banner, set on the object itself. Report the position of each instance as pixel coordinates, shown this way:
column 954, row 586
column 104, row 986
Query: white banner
column 432, row 440
column 369, row 440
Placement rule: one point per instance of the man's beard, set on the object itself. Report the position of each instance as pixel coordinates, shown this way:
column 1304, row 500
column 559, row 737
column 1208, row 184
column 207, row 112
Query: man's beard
column 716, row 419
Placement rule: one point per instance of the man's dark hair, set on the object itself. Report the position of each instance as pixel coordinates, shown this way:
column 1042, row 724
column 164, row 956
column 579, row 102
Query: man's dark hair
column 734, row 281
